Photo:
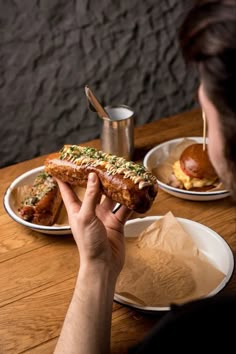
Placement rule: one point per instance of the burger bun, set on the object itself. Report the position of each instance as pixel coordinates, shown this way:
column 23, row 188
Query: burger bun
column 195, row 162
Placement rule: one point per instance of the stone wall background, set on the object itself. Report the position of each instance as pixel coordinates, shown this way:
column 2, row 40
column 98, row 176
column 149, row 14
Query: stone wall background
column 126, row 51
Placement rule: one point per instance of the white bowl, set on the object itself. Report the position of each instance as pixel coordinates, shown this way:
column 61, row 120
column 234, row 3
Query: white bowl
column 27, row 178
column 211, row 244
column 159, row 153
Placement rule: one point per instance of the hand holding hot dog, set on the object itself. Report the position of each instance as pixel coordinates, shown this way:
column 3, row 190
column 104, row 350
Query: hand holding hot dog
column 98, row 231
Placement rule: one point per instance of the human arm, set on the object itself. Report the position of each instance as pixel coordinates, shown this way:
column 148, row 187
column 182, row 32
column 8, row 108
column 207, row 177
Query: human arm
column 99, row 236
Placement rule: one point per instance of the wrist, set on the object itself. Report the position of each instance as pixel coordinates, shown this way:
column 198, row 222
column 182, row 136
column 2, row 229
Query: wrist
column 91, row 306
column 97, row 274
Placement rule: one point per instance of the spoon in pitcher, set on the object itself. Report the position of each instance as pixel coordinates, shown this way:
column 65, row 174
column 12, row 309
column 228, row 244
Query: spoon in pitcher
column 93, row 101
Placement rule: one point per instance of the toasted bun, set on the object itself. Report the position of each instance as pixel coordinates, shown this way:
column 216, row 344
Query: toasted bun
column 195, row 162
column 123, row 181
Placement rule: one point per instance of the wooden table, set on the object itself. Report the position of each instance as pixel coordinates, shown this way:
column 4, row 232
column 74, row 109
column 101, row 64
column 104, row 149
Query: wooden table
column 38, row 271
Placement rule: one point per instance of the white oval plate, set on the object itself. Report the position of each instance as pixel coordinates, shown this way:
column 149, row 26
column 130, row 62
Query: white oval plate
column 27, row 178
column 159, row 153
column 211, row 244
column 8, row 202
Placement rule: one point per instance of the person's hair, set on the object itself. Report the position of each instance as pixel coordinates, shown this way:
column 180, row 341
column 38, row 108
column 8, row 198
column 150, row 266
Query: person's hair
column 208, row 39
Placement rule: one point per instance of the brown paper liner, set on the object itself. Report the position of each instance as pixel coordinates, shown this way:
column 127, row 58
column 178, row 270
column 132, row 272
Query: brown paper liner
column 164, row 266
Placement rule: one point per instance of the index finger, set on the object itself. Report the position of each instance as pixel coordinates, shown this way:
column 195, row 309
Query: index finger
column 92, row 195
column 70, row 199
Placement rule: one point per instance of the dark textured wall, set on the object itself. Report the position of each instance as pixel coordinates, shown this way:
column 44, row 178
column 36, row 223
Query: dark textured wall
column 125, row 50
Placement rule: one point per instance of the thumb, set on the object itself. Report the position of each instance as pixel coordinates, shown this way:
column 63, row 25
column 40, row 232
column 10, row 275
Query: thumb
column 92, row 195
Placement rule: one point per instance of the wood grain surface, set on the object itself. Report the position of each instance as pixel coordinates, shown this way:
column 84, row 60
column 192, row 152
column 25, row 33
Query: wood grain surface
column 38, row 271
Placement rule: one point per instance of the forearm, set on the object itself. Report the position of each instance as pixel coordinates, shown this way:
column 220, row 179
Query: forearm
column 87, row 325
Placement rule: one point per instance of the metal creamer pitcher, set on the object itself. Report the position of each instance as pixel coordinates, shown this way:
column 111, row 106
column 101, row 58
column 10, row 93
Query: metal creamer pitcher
column 117, row 126
column 117, row 131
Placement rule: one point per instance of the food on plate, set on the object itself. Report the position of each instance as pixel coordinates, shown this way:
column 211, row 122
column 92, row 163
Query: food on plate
column 193, row 170
column 41, row 201
column 125, row 182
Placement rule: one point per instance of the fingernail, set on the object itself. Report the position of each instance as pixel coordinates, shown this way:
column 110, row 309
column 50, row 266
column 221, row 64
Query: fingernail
column 92, row 177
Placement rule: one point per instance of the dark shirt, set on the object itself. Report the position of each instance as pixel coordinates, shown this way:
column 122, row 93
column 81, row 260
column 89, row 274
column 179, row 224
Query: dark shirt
column 202, row 326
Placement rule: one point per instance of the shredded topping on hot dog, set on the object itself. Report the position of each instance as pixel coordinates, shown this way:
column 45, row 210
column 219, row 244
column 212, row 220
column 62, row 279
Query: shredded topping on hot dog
column 89, row 156
column 43, row 184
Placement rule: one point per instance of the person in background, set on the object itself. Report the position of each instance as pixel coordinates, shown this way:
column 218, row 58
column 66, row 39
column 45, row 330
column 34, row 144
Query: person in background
column 208, row 39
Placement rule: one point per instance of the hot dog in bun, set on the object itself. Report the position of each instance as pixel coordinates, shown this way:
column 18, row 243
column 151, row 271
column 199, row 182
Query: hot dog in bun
column 125, row 182
column 42, row 201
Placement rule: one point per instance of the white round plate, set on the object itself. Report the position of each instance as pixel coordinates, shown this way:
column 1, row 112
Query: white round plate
column 159, row 153
column 8, row 202
column 211, row 244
